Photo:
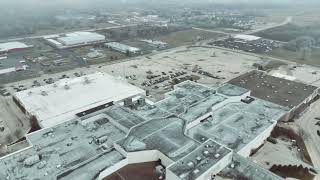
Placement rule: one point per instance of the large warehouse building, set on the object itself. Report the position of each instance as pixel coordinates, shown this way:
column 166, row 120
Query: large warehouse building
column 12, row 47
column 196, row 132
column 68, row 98
column 123, row 48
column 75, row 39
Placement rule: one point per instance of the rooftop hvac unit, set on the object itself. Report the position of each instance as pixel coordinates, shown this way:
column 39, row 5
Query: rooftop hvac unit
column 232, row 165
column 141, row 102
column 249, row 99
column 44, row 93
column 198, row 158
column 86, row 80
column 102, row 139
column 206, row 153
column 127, row 102
column 190, row 164
column 31, row 160
column 196, row 171
column 160, row 169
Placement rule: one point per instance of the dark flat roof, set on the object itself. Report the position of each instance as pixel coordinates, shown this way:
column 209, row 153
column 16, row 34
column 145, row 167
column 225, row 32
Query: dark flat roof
column 139, row 171
column 277, row 90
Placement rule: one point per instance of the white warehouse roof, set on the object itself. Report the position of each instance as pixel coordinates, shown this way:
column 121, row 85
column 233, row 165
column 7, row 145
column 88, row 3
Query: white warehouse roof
column 80, row 38
column 247, row 37
column 12, row 45
column 60, row 102
column 284, row 76
column 122, row 47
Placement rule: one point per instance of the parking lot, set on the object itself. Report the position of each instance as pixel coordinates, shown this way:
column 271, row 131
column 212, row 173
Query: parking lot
column 157, row 73
column 261, row 46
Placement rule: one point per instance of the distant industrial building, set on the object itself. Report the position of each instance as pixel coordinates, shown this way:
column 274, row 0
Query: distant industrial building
column 248, row 43
column 71, row 98
column 75, row 39
column 123, row 48
column 7, row 64
column 95, row 54
column 244, row 37
column 156, row 44
column 197, row 132
column 18, row 67
column 13, row 47
column 295, row 95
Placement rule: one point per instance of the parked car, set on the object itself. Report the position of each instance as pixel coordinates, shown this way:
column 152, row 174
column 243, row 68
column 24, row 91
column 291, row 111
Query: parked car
column 4, row 92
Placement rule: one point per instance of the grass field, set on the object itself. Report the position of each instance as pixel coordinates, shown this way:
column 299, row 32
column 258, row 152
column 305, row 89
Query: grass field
column 186, row 37
column 290, row 32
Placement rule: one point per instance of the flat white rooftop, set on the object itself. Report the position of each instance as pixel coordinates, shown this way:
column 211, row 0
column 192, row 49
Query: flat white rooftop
column 247, row 37
column 60, row 102
column 122, row 47
column 284, row 76
column 80, row 38
column 12, row 45
column 75, row 39
column 154, row 42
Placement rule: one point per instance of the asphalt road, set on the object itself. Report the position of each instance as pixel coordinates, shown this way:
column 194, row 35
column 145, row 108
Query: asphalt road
column 286, row 21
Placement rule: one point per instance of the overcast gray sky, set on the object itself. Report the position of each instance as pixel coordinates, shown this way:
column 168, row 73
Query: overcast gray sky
column 75, row 3
column 117, row 1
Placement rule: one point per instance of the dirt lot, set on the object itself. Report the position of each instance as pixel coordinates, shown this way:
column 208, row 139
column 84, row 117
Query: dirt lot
column 186, row 37
column 107, row 55
column 14, row 123
column 308, row 124
column 282, row 153
column 307, row 18
column 296, row 56
column 304, row 73
column 290, row 32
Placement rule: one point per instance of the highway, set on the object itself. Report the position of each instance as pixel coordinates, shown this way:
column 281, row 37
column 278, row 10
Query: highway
column 286, row 21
